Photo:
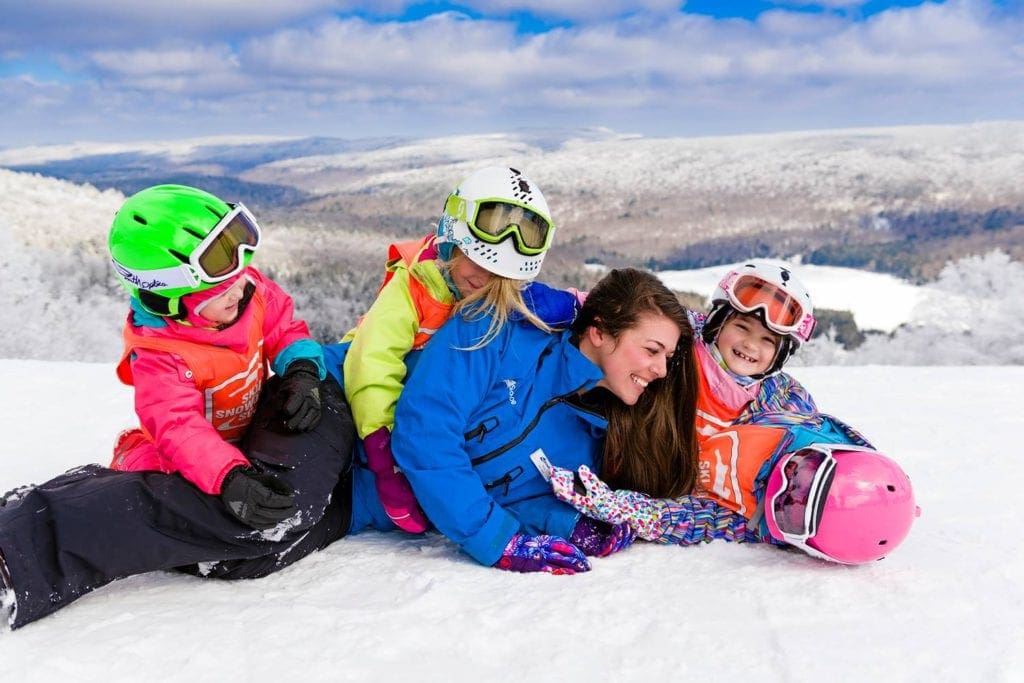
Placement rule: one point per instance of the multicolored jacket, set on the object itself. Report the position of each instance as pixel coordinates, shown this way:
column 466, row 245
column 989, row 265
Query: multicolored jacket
column 196, row 388
column 413, row 302
column 467, row 424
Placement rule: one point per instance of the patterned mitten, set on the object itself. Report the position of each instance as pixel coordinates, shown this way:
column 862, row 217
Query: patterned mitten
column 641, row 512
column 600, row 539
column 550, row 554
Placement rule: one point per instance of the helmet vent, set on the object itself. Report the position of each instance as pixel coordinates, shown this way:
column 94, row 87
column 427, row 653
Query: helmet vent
column 139, row 219
column 883, row 542
column 178, row 255
column 890, row 487
column 193, row 232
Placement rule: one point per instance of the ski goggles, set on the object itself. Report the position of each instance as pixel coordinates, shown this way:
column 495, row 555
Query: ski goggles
column 798, row 504
column 496, row 220
column 217, row 258
column 783, row 313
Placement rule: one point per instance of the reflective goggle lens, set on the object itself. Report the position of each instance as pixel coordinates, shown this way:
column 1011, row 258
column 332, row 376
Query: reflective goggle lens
column 798, row 506
column 498, row 219
column 222, row 256
column 782, row 311
column 493, row 221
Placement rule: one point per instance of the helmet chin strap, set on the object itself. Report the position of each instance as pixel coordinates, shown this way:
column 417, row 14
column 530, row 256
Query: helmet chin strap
column 163, row 306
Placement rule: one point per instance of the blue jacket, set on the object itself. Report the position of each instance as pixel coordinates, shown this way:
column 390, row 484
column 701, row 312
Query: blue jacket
column 468, row 421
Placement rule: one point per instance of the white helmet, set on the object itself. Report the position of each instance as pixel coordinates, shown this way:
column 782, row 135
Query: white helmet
column 770, row 290
column 500, row 220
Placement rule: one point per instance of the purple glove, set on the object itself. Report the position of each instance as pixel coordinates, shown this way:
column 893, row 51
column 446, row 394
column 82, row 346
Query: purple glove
column 396, row 496
column 600, row 539
column 550, row 554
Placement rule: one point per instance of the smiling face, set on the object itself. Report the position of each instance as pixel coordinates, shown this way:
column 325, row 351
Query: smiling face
column 223, row 309
column 636, row 357
column 747, row 346
column 466, row 275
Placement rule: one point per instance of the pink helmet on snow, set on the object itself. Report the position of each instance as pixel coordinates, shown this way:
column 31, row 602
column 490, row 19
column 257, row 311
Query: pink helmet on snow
column 840, row 503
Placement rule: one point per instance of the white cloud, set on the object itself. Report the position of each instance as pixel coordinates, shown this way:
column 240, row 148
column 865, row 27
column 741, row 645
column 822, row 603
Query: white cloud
column 662, row 74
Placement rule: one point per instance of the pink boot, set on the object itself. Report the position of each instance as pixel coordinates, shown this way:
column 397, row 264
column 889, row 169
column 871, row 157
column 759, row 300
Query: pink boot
column 392, row 487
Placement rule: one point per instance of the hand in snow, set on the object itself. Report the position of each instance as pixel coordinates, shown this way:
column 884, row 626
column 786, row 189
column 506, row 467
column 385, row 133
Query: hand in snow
column 549, row 554
column 600, row 539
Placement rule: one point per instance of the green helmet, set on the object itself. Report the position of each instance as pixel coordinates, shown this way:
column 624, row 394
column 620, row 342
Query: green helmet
column 168, row 241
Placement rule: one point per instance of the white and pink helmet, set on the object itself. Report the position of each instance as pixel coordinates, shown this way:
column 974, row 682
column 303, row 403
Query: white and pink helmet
column 841, row 503
column 770, row 290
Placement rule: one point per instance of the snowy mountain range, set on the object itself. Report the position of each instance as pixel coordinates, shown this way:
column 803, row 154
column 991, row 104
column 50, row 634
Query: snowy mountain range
column 898, row 200
column 899, row 204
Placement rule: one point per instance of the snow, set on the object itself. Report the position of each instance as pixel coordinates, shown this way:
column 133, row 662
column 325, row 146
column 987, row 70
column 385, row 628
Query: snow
column 876, row 300
column 945, row 606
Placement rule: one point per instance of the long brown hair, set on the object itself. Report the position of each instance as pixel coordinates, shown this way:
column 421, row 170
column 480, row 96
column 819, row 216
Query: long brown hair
column 651, row 446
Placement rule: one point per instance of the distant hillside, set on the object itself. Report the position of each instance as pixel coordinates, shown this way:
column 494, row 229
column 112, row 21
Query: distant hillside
column 899, row 200
column 61, row 300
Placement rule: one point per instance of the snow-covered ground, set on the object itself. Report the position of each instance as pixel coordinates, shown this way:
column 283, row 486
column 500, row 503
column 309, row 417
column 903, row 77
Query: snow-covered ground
column 946, row 606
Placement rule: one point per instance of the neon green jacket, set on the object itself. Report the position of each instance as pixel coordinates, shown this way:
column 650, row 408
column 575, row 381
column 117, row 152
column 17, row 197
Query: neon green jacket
column 412, row 304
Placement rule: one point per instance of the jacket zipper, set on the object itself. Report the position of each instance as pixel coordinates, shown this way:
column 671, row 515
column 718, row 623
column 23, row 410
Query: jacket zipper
column 482, row 429
column 506, row 480
column 480, row 459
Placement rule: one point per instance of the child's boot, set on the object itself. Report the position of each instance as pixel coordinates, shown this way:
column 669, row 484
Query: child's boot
column 393, row 488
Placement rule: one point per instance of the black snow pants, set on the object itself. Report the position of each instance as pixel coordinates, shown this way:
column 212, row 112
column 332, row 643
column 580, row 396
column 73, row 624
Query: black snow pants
column 92, row 525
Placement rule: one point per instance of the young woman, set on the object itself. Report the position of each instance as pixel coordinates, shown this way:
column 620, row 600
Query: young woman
column 477, row 424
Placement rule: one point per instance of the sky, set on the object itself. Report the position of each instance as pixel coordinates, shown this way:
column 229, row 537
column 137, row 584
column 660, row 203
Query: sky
column 119, row 70
column 944, row 606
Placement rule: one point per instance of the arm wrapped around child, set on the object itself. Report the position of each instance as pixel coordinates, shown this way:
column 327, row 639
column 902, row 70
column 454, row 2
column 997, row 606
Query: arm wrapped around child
column 686, row 520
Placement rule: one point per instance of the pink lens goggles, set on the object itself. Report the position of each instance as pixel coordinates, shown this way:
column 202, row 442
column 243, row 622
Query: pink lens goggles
column 783, row 312
column 799, row 502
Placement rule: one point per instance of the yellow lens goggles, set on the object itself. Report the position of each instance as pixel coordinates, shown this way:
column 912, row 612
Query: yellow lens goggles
column 496, row 220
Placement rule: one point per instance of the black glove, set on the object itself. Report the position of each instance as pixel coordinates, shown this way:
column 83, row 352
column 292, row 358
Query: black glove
column 299, row 396
column 256, row 499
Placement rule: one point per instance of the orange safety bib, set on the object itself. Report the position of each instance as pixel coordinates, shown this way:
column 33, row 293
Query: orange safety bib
column 430, row 312
column 730, row 461
column 230, row 381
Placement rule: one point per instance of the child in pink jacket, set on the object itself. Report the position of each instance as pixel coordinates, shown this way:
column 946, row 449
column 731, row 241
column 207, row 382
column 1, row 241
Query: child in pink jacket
column 203, row 333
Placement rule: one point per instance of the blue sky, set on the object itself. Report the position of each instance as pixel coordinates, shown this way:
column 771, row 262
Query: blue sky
column 124, row 70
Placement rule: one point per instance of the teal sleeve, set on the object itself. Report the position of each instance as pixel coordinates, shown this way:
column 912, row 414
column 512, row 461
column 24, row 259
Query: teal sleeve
column 301, row 349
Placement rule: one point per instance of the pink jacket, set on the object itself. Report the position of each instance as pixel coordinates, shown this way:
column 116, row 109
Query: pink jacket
column 177, row 425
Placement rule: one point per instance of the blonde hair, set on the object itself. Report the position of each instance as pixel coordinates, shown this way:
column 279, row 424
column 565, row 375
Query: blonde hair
column 499, row 298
